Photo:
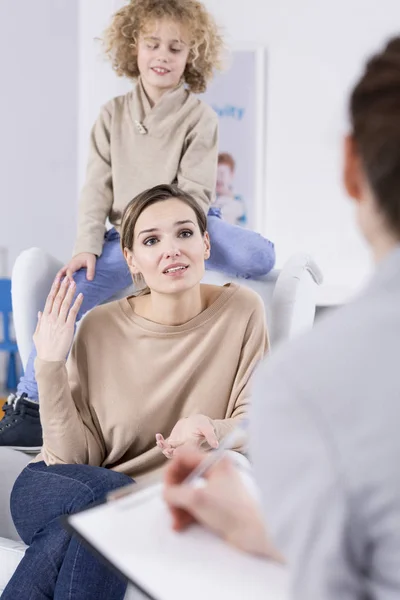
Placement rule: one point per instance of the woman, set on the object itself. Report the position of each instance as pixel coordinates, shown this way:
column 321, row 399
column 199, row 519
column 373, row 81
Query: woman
column 157, row 363
column 325, row 438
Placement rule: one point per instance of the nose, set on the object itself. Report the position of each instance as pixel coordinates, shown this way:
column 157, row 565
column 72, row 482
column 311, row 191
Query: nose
column 163, row 54
column 172, row 253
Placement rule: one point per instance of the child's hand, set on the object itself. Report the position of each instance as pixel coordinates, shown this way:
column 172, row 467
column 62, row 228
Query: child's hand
column 55, row 328
column 84, row 260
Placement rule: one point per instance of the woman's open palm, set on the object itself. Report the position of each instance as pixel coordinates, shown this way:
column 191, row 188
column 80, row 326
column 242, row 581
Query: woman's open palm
column 196, row 430
column 56, row 324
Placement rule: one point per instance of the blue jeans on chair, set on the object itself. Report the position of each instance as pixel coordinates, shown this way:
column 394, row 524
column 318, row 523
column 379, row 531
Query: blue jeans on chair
column 56, row 565
column 236, row 251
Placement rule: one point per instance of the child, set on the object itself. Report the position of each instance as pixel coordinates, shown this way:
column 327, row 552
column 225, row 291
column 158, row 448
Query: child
column 159, row 132
column 231, row 205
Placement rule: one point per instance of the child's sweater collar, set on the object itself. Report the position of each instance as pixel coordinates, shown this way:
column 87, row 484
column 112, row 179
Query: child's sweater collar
column 155, row 119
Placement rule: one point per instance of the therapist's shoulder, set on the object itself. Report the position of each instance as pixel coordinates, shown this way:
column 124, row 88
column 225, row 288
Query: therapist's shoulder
column 336, row 343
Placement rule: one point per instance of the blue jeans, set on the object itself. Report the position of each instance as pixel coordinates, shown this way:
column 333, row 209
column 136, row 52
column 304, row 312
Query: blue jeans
column 234, row 250
column 237, row 251
column 56, row 565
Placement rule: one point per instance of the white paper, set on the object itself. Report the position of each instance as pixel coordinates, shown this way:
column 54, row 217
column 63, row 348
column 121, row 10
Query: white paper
column 134, row 533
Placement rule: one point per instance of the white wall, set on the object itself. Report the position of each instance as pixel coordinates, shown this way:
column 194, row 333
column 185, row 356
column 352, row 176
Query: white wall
column 38, row 108
column 315, row 51
column 97, row 81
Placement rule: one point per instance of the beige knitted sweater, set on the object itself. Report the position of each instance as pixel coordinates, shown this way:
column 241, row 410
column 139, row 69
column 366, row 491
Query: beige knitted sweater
column 128, row 378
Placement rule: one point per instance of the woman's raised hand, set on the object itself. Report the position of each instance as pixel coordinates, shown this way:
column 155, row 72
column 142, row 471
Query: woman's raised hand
column 56, row 324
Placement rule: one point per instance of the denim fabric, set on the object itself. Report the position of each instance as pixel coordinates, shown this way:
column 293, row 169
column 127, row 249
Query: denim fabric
column 56, row 565
column 237, row 251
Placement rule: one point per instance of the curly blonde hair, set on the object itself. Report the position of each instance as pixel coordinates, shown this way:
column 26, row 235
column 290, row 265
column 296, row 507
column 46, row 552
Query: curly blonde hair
column 206, row 44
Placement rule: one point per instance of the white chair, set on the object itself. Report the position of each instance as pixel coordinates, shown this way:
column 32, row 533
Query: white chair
column 289, row 296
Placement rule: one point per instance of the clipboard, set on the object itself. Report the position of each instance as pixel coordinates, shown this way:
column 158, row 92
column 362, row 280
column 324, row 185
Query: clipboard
column 133, row 535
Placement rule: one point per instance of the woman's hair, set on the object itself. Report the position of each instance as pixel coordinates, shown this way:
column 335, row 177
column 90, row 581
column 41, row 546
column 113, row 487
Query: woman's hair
column 375, row 118
column 159, row 193
column 121, row 37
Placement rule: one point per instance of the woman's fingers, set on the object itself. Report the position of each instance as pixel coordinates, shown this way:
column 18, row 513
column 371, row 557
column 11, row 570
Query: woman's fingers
column 209, row 433
column 59, row 298
column 73, row 312
column 169, row 453
column 39, row 318
column 67, row 300
column 175, row 443
column 48, row 307
column 160, row 441
column 205, row 432
column 164, row 445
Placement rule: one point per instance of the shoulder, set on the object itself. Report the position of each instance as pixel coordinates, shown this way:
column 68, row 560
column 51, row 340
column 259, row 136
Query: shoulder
column 201, row 114
column 234, row 298
column 116, row 106
column 248, row 297
column 206, row 111
column 246, row 302
column 339, row 343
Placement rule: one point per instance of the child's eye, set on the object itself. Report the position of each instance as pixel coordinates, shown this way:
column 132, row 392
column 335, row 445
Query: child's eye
column 176, row 50
column 151, row 46
column 150, row 241
column 185, row 233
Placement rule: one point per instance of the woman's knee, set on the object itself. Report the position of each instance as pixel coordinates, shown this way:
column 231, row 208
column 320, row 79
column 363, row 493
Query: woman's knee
column 92, row 483
column 82, row 483
column 43, row 493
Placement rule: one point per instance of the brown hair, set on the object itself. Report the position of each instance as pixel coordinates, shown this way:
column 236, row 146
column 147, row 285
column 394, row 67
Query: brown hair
column 375, row 118
column 224, row 158
column 206, row 45
column 159, row 193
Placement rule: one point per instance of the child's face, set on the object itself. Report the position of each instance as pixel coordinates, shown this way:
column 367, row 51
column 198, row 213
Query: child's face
column 163, row 49
column 224, row 180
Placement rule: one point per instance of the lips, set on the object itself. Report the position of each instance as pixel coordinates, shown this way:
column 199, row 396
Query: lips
column 175, row 268
column 160, row 70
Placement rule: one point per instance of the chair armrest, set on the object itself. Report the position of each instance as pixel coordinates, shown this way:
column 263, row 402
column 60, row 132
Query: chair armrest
column 12, row 462
column 32, row 276
column 294, row 298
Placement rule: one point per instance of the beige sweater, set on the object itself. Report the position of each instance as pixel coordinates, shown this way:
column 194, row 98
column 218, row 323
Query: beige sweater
column 134, row 146
column 128, row 378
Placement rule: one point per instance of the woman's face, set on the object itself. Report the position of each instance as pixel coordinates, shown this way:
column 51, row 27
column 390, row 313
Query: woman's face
column 168, row 249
